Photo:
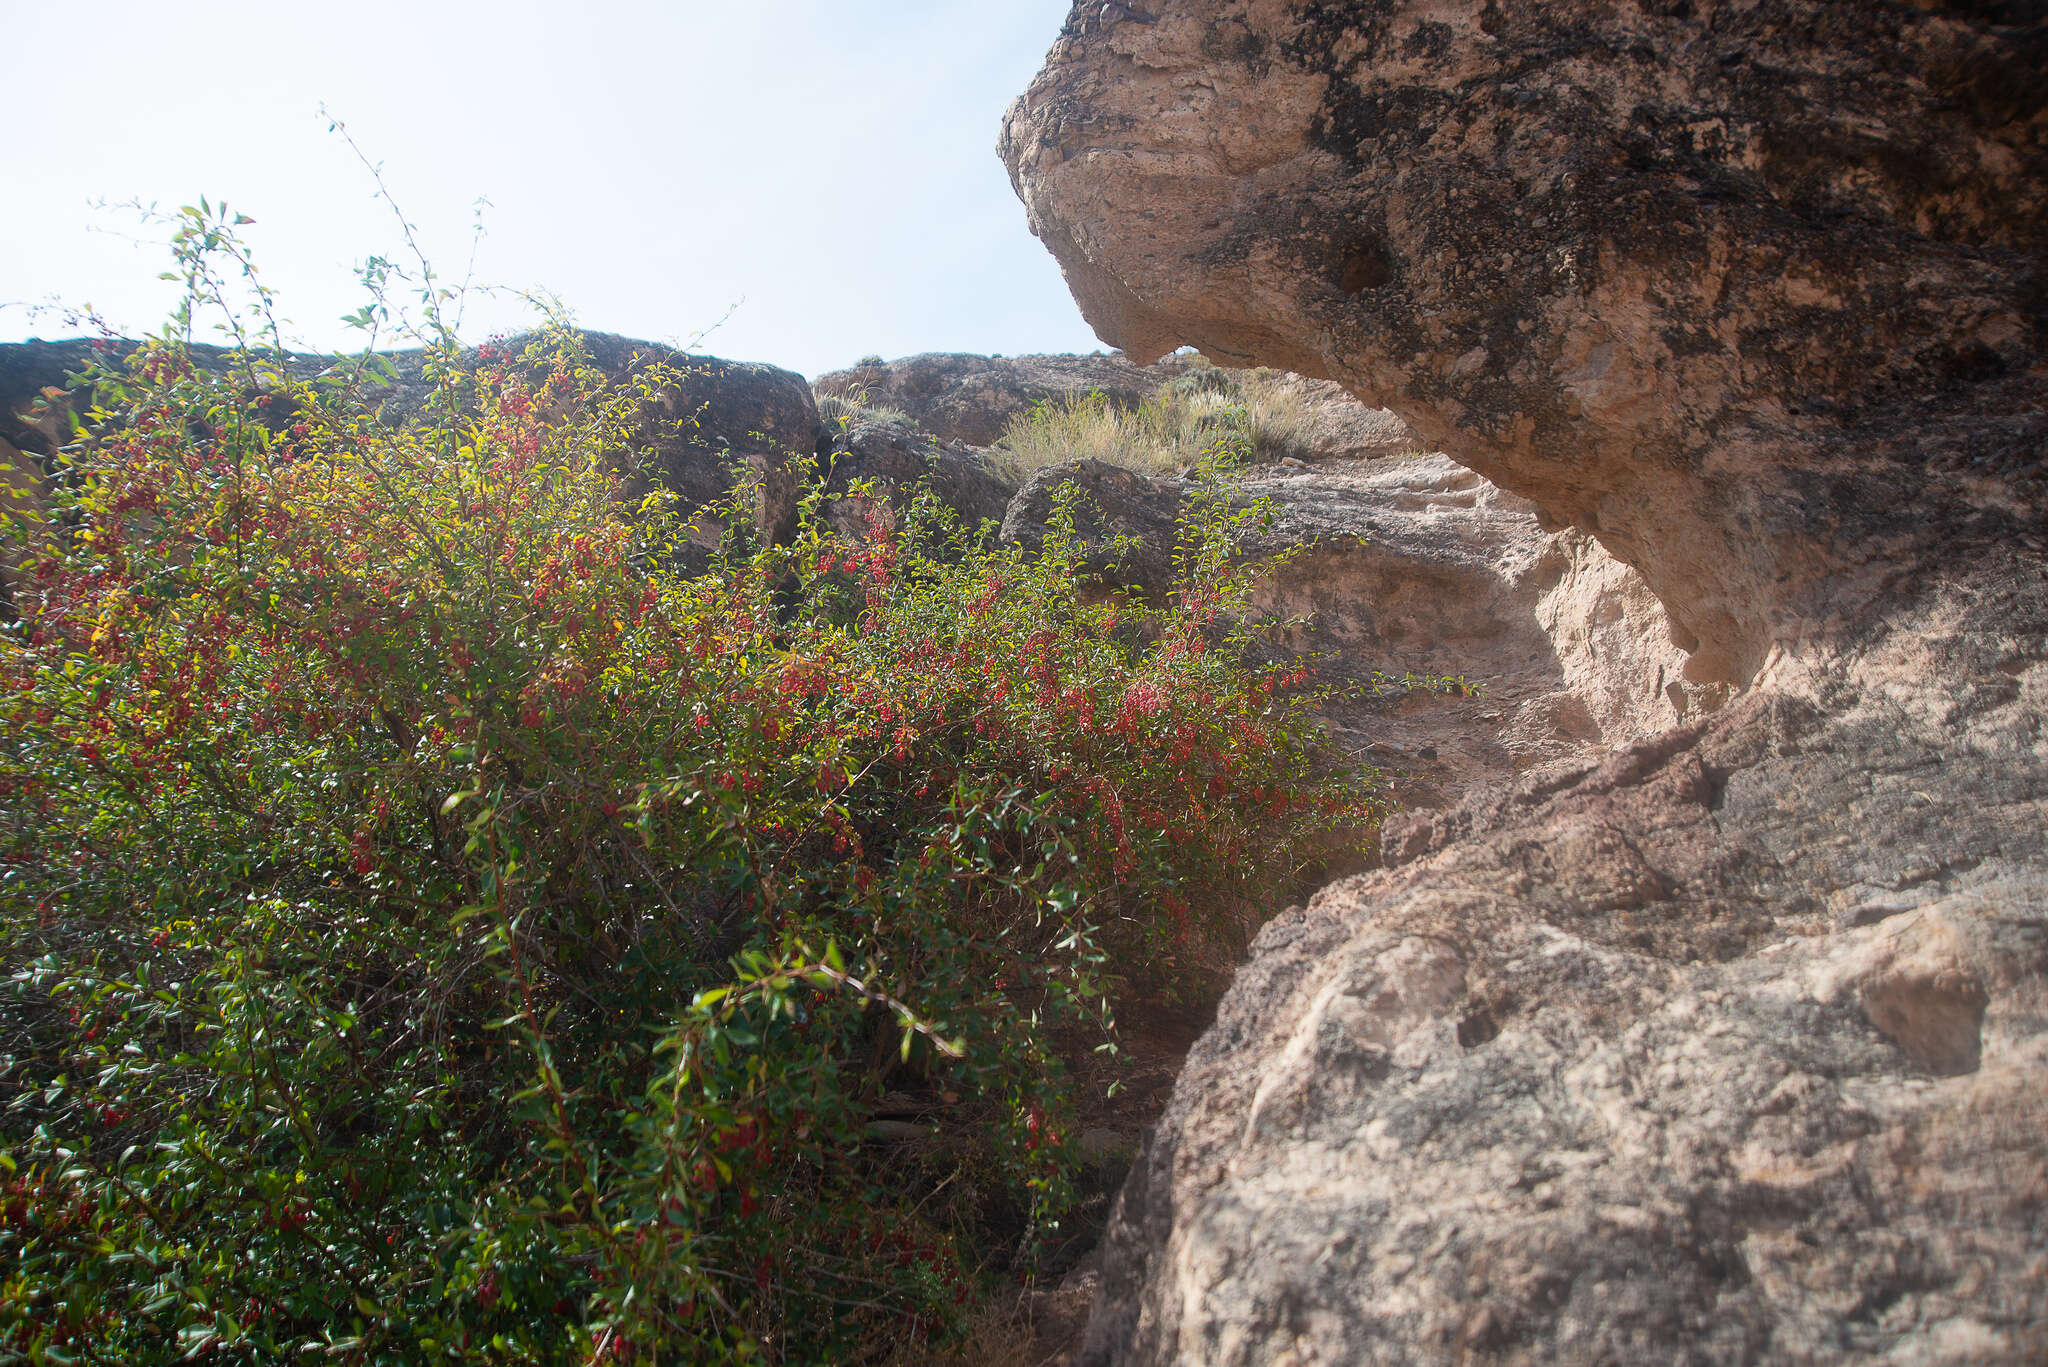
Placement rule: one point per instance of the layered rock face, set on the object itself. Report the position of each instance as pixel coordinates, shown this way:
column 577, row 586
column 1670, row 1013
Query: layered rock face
column 1421, row 567
column 1733, row 1045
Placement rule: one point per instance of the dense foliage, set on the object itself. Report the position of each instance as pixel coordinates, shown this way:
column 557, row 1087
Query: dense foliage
column 437, row 927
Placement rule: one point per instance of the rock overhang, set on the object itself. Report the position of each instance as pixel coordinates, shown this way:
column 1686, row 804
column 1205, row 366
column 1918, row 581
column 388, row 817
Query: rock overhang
column 1602, row 254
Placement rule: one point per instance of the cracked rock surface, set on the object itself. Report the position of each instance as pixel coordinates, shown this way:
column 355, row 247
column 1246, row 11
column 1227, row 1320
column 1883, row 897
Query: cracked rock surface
column 1728, row 1048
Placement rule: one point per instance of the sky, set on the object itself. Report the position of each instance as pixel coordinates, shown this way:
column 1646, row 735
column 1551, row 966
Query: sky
column 814, row 180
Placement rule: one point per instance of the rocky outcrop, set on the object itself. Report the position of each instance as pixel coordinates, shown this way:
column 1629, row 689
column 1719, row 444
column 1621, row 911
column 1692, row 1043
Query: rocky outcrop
column 1128, row 523
column 1421, row 568
column 1331, row 425
column 895, row 460
column 1712, row 281
column 971, row 399
column 1395, row 570
column 1728, row 1049
column 710, row 423
column 1731, row 1046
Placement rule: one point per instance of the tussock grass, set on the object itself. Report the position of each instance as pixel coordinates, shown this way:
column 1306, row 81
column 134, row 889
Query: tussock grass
column 840, row 409
column 1208, row 420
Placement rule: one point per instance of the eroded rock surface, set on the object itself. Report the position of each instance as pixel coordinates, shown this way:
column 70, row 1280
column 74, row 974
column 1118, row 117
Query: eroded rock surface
column 713, row 422
column 1128, row 523
column 1419, row 568
column 1334, row 426
column 1731, row 1046
column 972, row 399
column 1711, row 280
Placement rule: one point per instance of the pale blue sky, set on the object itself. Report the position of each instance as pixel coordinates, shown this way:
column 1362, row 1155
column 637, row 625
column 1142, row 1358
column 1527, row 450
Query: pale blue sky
column 829, row 167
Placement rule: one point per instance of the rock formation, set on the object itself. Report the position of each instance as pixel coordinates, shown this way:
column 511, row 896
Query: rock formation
column 1422, row 567
column 1414, row 567
column 1128, row 522
column 1334, row 426
column 1731, row 1046
column 971, row 399
column 716, row 418
column 895, row 459
column 1705, row 279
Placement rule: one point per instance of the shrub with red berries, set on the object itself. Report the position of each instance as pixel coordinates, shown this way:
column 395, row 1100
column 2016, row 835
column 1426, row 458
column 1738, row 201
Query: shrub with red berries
column 437, row 927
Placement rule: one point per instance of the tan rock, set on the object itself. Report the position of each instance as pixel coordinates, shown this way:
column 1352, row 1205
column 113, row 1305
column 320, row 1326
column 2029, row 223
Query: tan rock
column 1730, row 1046
column 1605, row 254
column 1420, row 568
column 972, row 399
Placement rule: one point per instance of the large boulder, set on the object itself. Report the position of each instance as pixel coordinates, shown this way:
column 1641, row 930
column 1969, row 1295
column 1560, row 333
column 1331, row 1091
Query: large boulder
column 1665, row 1060
column 712, row 422
column 1714, row 280
column 1127, row 523
column 895, row 460
column 1733, row 1045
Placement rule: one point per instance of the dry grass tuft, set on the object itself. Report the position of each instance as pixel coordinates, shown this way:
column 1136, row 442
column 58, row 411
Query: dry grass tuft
column 1209, row 420
column 851, row 405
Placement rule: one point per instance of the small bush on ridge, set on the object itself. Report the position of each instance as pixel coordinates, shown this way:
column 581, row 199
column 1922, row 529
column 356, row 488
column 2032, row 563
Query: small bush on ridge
column 434, row 928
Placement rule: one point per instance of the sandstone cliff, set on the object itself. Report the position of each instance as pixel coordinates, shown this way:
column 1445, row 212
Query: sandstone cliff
column 1732, row 1046
column 1705, row 279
